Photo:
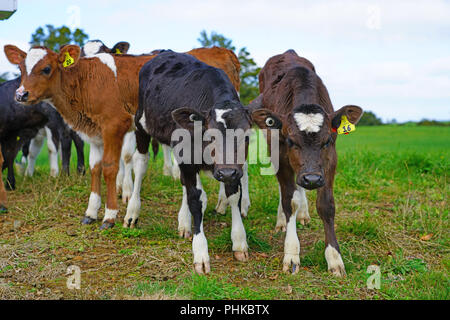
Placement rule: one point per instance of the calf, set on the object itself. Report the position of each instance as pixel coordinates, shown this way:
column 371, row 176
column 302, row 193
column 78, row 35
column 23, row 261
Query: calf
column 26, row 128
column 295, row 101
column 206, row 96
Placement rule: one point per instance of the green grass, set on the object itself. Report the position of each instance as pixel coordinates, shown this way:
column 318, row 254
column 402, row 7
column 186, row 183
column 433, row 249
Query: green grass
column 391, row 192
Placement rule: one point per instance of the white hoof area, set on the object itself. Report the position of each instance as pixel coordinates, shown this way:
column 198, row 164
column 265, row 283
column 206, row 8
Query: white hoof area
column 291, row 263
column 184, row 233
column 303, row 217
column 202, row 268
column 241, row 256
column 53, row 173
column 126, row 197
column 221, row 207
column 334, row 261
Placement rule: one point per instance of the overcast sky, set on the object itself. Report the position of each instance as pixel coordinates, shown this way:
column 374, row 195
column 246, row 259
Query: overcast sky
column 390, row 57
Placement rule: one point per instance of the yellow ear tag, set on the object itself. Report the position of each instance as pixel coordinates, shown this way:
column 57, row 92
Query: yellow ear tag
column 346, row 126
column 118, row 51
column 18, row 138
column 68, row 60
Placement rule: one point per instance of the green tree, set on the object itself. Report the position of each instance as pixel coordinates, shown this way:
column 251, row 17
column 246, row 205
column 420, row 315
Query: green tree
column 54, row 38
column 369, row 119
column 249, row 70
column 3, row 77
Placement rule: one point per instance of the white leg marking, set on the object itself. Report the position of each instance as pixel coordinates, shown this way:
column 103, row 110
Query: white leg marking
column 128, row 149
column 334, row 260
column 245, row 202
column 95, row 203
column 35, row 148
column 52, row 154
column 184, row 217
column 110, row 214
column 119, row 178
column 200, row 251
column 300, row 197
column 222, row 201
column 140, row 163
column 95, row 154
column 291, row 245
column 238, row 235
column 167, row 169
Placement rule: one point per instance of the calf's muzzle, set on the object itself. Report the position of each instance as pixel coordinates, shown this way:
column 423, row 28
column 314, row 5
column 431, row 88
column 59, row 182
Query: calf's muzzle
column 311, row 180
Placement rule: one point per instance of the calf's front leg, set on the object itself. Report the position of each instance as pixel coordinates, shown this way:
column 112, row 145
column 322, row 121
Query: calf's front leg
column 326, row 210
column 95, row 157
column 238, row 235
column 2, row 188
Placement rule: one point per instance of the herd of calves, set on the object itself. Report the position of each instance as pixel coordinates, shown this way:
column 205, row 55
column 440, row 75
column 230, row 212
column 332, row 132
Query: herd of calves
column 121, row 103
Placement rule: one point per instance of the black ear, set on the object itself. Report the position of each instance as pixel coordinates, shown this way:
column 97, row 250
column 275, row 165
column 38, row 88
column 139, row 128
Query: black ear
column 266, row 119
column 120, row 47
column 186, row 117
column 353, row 114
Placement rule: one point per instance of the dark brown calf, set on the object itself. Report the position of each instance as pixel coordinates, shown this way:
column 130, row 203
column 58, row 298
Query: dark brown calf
column 295, row 101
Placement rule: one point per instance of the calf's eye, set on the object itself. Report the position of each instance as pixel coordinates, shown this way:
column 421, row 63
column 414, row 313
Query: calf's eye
column 270, row 122
column 46, row 70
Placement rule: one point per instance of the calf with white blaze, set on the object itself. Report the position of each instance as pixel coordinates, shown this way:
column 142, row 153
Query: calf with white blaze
column 175, row 91
column 295, row 101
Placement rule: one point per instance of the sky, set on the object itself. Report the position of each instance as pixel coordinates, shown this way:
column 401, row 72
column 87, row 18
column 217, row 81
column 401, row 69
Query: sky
column 389, row 57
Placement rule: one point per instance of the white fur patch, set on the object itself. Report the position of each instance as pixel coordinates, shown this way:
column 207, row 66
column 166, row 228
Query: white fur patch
column 333, row 258
column 309, row 122
column 200, row 247
column 140, row 163
column 107, row 59
column 33, row 57
column 238, row 235
column 94, row 205
column 92, row 47
column 219, row 116
column 143, row 123
column 52, row 153
column 95, row 155
column 203, row 197
column 110, row 214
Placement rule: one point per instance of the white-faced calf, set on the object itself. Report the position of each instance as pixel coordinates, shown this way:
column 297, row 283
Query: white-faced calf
column 295, row 101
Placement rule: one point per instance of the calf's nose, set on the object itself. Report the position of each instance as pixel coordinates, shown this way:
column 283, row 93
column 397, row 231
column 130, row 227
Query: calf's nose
column 227, row 174
column 21, row 96
column 311, row 181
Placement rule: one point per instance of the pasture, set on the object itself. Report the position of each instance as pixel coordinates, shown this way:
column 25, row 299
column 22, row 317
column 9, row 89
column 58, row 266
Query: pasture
column 391, row 194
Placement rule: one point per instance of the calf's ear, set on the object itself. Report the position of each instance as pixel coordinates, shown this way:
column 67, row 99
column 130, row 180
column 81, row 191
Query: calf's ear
column 69, row 56
column 14, row 54
column 120, row 47
column 353, row 114
column 266, row 119
column 186, row 117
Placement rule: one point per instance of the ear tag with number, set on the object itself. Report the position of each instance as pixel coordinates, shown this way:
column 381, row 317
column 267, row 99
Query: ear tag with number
column 68, row 60
column 118, row 51
column 346, row 126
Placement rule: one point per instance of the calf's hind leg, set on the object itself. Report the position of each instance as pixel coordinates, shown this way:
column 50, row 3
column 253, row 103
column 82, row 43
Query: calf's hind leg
column 140, row 163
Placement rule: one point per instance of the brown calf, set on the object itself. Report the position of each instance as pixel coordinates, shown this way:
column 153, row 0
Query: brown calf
column 295, row 101
column 97, row 96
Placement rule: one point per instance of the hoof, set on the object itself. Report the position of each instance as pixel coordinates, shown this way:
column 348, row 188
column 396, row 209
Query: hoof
column 88, row 220
column 303, row 218
column 81, row 171
column 185, row 234
column 107, row 225
column 202, row 268
column 126, row 198
column 338, row 271
column 241, row 256
column 291, row 263
column 130, row 223
column 10, row 187
column 280, row 229
column 3, row 209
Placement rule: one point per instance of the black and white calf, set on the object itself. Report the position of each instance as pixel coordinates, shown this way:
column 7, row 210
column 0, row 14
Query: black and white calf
column 26, row 128
column 176, row 91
